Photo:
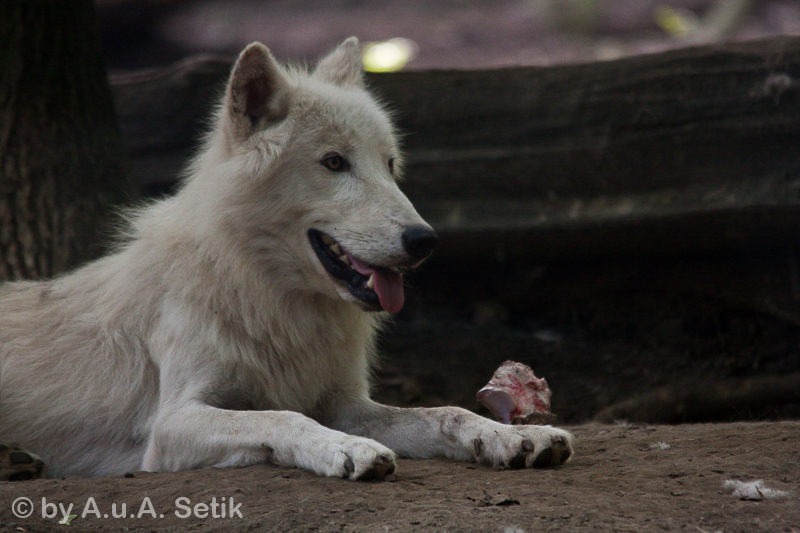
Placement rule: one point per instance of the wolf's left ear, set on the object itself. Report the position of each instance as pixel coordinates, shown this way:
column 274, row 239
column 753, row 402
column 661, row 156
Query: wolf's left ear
column 258, row 91
column 342, row 66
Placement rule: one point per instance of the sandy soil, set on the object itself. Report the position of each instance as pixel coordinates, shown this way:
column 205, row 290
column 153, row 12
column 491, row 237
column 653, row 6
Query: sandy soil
column 619, row 481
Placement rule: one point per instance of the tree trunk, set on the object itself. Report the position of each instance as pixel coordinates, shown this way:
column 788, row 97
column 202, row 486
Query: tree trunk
column 60, row 149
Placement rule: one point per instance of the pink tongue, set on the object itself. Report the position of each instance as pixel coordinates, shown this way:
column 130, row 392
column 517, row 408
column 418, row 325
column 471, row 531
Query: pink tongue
column 388, row 284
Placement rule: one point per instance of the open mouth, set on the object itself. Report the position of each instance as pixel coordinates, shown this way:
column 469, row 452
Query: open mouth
column 376, row 287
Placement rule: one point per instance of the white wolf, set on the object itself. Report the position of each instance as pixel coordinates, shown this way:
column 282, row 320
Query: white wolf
column 236, row 322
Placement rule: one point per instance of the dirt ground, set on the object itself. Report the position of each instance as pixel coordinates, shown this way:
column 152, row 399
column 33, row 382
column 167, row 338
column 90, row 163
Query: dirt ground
column 620, row 480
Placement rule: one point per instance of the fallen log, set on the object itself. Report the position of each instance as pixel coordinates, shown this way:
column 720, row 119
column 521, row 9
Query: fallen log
column 689, row 150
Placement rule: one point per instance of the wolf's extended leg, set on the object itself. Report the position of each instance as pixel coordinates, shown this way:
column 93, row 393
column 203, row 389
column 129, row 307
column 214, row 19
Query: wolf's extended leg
column 198, row 435
column 454, row 433
column 17, row 464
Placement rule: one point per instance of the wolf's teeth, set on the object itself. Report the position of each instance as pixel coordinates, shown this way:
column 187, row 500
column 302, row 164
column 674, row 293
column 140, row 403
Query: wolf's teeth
column 327, row 239
column 336, row 249
column 344, row 259
column 371, row 282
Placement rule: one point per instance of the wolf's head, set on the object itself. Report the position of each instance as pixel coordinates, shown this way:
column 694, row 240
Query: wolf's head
column 301, row 172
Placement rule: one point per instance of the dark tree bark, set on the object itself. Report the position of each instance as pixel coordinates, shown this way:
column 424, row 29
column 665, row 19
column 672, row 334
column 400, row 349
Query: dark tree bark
column 60, row 149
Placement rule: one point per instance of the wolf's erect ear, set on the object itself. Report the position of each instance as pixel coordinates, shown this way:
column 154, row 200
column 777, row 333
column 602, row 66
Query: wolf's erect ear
column 342, row 66
column 258, row 91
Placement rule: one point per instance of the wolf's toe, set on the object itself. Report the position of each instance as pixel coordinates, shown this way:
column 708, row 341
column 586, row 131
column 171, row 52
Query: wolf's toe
column 517, row 462
column 544, row 459
column 349, row 467
column 566, row 454
column 17, row 464
column 559, row 452
column 383, row 466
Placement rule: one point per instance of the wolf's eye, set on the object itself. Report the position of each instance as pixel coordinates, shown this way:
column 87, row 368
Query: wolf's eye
column 391, row 165
column 336, row 163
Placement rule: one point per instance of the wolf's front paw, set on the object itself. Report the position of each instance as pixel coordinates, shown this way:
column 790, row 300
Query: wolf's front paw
column 17, row 464
column 524, row 447
column 362, row 459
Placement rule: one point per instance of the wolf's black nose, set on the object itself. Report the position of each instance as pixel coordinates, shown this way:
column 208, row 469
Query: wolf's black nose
column 419, row 242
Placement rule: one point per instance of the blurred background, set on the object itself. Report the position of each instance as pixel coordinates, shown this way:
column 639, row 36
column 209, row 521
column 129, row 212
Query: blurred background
column 618, row 206
column 464, row 34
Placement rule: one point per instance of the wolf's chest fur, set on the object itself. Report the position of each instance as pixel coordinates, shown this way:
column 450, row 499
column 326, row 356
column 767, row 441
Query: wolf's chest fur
column 302, row 353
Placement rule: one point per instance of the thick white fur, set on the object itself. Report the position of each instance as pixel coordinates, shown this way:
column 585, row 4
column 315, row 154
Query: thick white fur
column 215, row 302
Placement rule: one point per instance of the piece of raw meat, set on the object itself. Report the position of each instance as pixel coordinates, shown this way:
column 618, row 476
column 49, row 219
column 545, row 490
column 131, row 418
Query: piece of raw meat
column 516, row 396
